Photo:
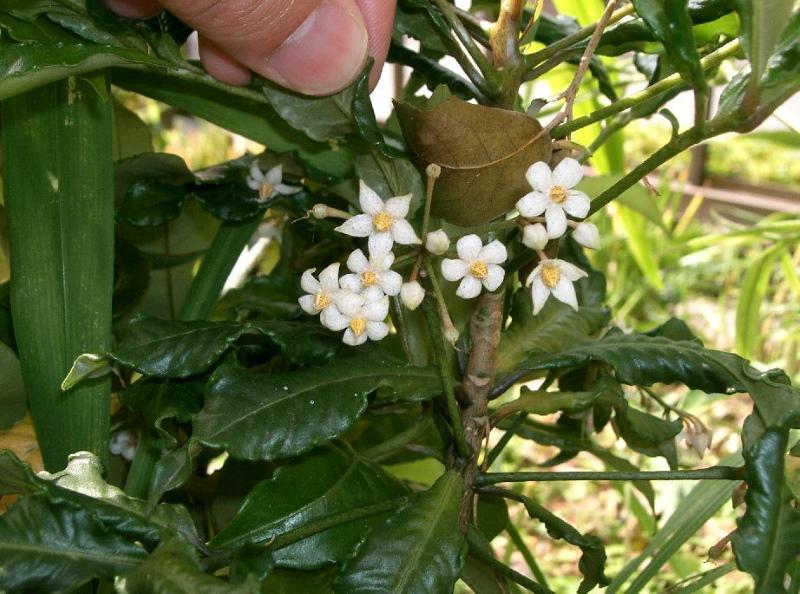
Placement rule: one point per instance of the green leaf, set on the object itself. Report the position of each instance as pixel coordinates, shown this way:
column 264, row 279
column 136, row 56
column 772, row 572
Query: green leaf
column 334, row 481
column 762, row 23
column 647, row 434
column 751, row 297
column 150, row 202
column 640, row 244
column 171, row 471
column 767, row 534
column 157, row 401
column 419, row 549
column 390, row 177
column 264, row 416
column 483, row 152
column 13, row 402
column 131, row 136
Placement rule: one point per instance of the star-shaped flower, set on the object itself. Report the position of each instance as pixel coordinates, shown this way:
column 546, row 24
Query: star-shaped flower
column 321, row 292
column 383, row 222
column 554, row 195
column 361, row 316
column 268, row 184
column 373, row 272
column 554, row 277
column 477, row 265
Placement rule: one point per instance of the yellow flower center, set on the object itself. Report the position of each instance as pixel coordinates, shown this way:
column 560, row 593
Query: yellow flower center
column 358, row 325
column 551, row 274
column 368, row 278
column 478, row 269
column 558, row 194
column 265, row 191
column 321, row 300
column 383, row 221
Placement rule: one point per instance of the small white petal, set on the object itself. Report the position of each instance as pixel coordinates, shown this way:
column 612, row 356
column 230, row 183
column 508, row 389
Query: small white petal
column 470, row 287
column 565, row 292
column 494, row 277
column 539, row 293
column 437, row 242
column 567, row 174
column 373, row 293
column 493, row 253
column 576, row 204
column 382, row 261
column 253, row 184
column 307, row 304
column 333, row 319
column 351, row 339
column 403, row 233
column 412, row 294
column 116, row 447
column 284, row 189
column 539, row 177
column 255, row 172
column 587, row 235
column 377, row 330
column 556, row 221
column 376, row 311
column 357, row 226
column 398, row 206
column 390, row 281
column 329, row 278
column 535, row 236
column 532, row 204
column 349, row 304
column 534, row 273
column 351, row 283
column 308, row 282
column 357, row 262
column 468, row 247
column 274, row 176
column 380, row 243
column 570, row 271
column 454, row 270
column 369, row 200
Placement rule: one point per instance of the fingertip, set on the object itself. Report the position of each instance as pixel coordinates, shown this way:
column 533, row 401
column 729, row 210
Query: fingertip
column 134, row 9
column 222, row 66
column 379, row 18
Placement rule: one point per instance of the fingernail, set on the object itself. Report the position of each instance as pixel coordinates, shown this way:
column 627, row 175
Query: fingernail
column 325, row 54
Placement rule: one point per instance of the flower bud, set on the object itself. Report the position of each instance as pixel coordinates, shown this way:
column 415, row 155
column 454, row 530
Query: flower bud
column 319, row 211
column 587, row 235
column 535, row 236
column 412, row 294
column 437, row 242
column 451, row 334
column 433, row 170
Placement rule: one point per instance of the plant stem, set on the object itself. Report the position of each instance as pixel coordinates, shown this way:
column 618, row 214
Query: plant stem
column 138, row 482
column 217, row 264
column 464, row 36
column 518, row 541
column 58, row 179
column 476, row 547
column 726, row 473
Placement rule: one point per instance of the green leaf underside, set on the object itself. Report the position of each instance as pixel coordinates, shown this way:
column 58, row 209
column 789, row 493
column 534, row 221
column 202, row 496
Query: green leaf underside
column 419, row 549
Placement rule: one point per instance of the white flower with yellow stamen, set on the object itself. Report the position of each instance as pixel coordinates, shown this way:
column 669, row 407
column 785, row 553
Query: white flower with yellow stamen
column 477, row 265
column 321, row 293
column 268, row 184
column 361, row 316
column 554, row 277
column 383, row 222
column 554, row 194
column 375, row 272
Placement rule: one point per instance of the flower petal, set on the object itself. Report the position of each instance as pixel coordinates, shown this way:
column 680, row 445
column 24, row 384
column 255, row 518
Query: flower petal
column 568, row 173
column 453, row 270
column 253, row 184
column 380, row 243
column 351, row 339
column 556, row 221
column 255, row 172
column 329, row 277
column 377, row 310
column 284, row 189
column 539, row 177
column 274, row 176
column 534, row 273
column 570, row 271
column 576, row 204
column 494, row 277
column 380, row 262
column 564, row 291
column 351, row 283
column 587, row 235
column 493, row 253
column 357, row 262
column 307, row 304
column 468, row 247
column 377, row 330
column 349, row 304
column 357, row 226
column 470, row 287
column 333, row 319
column 403, row 233
column 539, row 293
column 390, row 281
column 308, row 282
column 369, row 200
column 398, row 206
column 372, row 293
column 532, row 204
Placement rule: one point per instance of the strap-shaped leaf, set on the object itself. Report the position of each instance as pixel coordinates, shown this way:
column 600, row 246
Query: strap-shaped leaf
column 762, row 23
column 418, row 550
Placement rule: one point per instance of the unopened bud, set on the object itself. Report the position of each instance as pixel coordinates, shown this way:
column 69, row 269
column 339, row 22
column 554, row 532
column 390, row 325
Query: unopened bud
column 535, row 236
column 437, row 242
column 587, row 235
column 451, row 335
column 412, row 294
column 319, row 211
column 433, row 170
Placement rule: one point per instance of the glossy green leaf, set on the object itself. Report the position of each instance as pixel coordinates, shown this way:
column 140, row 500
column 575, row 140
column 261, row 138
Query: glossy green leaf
column 390, row 177
column 13, row 402
column 762, row 23
column 150, row 203
column 264, row 416
column 334, row 481
column 130, row 135
column 419, row 549
column 751, row 297
column 171, row 471
column 158, row 401
column 648, row 434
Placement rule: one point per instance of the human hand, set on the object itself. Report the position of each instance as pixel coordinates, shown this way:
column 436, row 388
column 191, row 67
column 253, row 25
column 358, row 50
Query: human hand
column 316, row 47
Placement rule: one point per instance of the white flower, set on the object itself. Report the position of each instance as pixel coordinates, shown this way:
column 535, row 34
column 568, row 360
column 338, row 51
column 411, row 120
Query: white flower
column 437, row 242
column 554, row 195
column 554, row 277
column 587, row 235
column 535, row 236
column 360, row 316
column 373, row 272
column 321, row 293
column 412, row 294
column 123, row 444
column 477, row 265
column 268, row 184
column 383, row 222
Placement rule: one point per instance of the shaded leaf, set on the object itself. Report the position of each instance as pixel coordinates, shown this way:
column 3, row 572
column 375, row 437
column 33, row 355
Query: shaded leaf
column 762, row 23
column 390, row 177
column 751, row 297
column 13, row 402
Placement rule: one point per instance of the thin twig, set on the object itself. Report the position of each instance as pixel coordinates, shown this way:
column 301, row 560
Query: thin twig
column 723, row 473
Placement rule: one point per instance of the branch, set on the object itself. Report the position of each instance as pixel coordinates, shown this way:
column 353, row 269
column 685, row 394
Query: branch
column 722, row 473
column 477, row 548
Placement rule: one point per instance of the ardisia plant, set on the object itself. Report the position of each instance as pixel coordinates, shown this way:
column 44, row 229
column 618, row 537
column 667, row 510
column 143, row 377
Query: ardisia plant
column 442, row 252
